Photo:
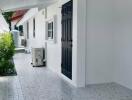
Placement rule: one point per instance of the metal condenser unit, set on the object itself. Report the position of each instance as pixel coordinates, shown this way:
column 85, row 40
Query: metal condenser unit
column 38, row 57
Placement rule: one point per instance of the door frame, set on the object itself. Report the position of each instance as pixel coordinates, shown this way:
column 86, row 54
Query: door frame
column 79, row 43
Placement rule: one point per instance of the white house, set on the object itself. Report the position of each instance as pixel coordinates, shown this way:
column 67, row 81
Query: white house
column 39, row 22
column 17, row 32
column 4, row 27
column 90, row 43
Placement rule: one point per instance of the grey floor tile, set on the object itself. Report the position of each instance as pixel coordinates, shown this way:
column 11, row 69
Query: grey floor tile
column 42, row 84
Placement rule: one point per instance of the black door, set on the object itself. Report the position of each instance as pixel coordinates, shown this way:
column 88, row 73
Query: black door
column 66, row 40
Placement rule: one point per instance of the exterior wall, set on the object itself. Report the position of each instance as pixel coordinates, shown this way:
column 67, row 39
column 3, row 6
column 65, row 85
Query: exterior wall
column 28, row 45
column 99, row 56
column 39, row 40
column 30, row 40
column 80, row 30
column 109, row 42
column 123, row 42
column 4, row 27
column 40, row 29
column 101, row 41
column 13, row 23
column 54, row 49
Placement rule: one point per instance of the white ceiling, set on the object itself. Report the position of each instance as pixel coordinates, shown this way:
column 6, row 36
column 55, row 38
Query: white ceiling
column 8, row 5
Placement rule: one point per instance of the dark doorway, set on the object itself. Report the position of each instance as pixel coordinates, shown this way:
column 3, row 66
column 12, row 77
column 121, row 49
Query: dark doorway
column 67, row 13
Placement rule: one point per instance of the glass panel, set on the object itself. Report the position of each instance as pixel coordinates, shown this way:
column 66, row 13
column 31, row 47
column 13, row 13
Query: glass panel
column 34, row 27
column 50, row 30
column 27, row 30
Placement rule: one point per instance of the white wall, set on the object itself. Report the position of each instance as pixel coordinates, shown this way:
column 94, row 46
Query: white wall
column 28, row 45
column 39, row 40
column 40, row 29
column 109, row 42
column 79, row 43
column 123, row 42
column 54, row 49
column 30, row 40
column 99, row 60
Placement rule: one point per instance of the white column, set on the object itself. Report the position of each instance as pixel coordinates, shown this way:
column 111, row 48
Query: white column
column 79, row 42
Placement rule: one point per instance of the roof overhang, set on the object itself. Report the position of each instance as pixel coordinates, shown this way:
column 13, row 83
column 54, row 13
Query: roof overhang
column 17, row 15
column 31, row 13
column 13, row 5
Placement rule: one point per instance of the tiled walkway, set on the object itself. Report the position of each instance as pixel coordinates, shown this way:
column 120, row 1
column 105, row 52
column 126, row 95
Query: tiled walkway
column 42, row 84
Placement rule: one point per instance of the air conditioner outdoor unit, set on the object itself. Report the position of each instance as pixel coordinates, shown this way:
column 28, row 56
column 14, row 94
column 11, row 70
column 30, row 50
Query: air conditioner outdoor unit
column 38, row 57
column 23, row 42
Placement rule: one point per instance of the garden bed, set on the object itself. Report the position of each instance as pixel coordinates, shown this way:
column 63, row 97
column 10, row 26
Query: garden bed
column 8, row 70
column 7, row 50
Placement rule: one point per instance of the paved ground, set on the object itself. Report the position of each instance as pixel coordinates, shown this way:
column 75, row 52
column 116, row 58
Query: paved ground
column 42, row 84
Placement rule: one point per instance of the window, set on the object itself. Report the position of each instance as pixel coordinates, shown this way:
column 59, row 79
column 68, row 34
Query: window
column 27, row 30
column 21, row 30
column 34, row 27
column 50, row 30
column 15, row 27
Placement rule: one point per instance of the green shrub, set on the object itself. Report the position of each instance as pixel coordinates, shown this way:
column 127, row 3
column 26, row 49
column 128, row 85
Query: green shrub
column 7, row 50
